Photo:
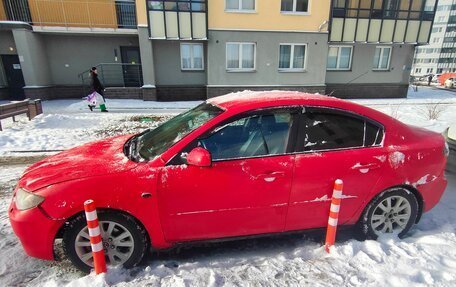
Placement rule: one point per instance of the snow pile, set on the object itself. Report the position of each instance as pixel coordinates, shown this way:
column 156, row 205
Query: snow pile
column 49, row 132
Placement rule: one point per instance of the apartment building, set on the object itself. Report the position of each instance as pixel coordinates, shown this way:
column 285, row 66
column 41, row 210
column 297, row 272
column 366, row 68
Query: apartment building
column 45, row 45
column 439, row 56
column 195, row 49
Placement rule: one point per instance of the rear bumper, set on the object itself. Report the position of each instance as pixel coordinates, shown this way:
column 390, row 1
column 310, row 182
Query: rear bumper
column 432, row 192
column 35, row 230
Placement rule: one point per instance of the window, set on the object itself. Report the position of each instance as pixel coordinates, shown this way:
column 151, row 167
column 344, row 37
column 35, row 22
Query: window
column 192, row 56
column 429, row 70
column 292, row 57
column 437, row 30
column 295, row 6
column 417, row 70
column 328, row 130
column 178, row 5
column 436, row 40
column 240, row 5
column 382, row 58
column 339, row 57
column 256, row 135
column 429, row 5
column 240, row 56
column 391, row 7
column 444, row 8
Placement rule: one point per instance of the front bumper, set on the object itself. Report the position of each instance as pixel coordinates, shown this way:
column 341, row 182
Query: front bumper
column 35, row 230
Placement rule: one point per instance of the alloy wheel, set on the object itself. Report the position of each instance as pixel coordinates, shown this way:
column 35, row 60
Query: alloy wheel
column 118, row 244
column 391, row 214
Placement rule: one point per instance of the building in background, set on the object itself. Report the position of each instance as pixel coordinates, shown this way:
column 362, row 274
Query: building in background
column 439, row 56
column 48, row 46
column 195, row 49
column 371, row 45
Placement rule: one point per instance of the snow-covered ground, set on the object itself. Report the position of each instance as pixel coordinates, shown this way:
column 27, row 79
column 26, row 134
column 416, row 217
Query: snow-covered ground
column 426, row 258
column 68, row 123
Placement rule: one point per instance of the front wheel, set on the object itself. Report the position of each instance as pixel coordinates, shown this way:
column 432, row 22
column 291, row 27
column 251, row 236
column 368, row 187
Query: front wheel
column 394, row 210
column 124, row 241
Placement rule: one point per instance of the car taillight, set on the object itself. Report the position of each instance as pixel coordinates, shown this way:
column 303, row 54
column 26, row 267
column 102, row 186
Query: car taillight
column 446, row 150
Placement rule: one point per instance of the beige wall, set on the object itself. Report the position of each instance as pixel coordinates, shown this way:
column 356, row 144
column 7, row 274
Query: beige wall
column 268, row 17
column 141, row 12
column 2, row 12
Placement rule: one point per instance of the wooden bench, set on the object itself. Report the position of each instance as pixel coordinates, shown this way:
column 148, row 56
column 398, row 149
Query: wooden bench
column 30, row 107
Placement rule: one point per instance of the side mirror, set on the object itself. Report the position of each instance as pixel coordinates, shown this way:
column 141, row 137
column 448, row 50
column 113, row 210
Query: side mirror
column 199, row 157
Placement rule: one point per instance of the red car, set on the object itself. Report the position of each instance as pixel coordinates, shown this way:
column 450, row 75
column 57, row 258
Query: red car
column 237, row 165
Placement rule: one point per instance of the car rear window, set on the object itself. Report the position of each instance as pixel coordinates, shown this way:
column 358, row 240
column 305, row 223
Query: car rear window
column 328, row 130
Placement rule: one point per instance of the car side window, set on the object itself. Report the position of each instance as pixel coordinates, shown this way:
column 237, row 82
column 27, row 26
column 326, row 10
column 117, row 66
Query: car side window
column 251, row 136
column 327, row 130
column 374, row 135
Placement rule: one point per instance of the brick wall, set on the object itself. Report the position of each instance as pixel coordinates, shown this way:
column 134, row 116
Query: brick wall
column 367, row 91
column 56, row 92
column 181, row 93
column 218, row 91
column 123, row 93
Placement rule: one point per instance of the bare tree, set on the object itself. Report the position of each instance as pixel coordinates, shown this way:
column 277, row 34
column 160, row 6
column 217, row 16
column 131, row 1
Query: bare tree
column 433, row 111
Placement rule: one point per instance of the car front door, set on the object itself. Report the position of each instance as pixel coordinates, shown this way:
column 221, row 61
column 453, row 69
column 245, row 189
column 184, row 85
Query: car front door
column 246, row 189
column 333, row 145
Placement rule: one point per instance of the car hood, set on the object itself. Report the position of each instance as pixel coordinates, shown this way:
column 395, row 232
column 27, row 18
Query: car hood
column 92, row 159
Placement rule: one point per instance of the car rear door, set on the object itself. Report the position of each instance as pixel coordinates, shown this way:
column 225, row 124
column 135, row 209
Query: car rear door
column 333, row 144
column 244, row 192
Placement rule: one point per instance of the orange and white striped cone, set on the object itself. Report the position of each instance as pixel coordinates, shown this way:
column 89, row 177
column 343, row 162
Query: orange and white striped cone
column 334, row 214
column 99, row 262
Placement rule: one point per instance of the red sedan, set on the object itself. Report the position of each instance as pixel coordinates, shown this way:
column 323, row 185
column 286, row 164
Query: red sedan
column 233, row 166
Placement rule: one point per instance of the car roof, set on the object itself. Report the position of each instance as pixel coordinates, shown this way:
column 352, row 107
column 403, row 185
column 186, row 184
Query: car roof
column 251, row 100
column 269, row 98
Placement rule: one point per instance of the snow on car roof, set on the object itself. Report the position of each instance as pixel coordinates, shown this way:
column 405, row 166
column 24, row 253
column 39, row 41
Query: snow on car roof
column 263, row 97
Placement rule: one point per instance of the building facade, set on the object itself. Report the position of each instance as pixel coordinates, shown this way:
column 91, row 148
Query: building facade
column 439, row 56
column 196, row 49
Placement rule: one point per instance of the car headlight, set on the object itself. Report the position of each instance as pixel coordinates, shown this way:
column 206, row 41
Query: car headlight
column 446, row 150
column 26, row 200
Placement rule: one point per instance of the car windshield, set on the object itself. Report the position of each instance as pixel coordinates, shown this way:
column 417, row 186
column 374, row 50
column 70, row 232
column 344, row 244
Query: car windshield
column 153, row 143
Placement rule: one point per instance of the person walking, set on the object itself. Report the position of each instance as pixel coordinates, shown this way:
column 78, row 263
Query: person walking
column 429, row 79
column 97, row 87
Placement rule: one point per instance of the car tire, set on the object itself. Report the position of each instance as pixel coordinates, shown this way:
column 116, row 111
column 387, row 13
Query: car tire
column 394, row 210
column 116, row 228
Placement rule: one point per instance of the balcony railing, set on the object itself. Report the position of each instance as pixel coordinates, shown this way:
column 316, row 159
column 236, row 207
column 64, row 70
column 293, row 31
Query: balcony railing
column 114, row 75
column 71, row 13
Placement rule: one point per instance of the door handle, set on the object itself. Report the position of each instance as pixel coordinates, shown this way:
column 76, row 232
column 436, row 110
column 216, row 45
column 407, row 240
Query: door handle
column 366, row 166
column 270, row 176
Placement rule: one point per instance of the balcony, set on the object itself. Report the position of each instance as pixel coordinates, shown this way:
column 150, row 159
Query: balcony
column 177, row 19
column 382, row 21
column 71, row 14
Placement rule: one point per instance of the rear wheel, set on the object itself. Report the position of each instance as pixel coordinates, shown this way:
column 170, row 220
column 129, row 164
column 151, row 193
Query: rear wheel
column 393, row 211
column 124, row 241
